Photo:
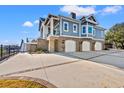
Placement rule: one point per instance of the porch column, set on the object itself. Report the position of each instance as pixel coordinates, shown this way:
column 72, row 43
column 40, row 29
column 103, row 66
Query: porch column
column 51, row 26
column 51, row 45
column 45, row 31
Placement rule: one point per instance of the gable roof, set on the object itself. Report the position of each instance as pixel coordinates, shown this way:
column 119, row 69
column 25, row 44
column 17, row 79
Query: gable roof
column 49, row 16
column 91, row 18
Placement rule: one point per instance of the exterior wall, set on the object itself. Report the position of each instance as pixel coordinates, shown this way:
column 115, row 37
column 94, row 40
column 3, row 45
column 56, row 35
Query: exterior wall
column 42, row 43
column 58, row 30
column 31, row 47
column 98, row 34
column 60, row 47
column 57, row 44
column 56, row 41
column 70, row 32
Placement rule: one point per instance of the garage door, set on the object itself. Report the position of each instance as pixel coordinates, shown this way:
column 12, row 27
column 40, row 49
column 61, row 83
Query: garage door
column 86, row 46
column 98, row 46
column 70, row 46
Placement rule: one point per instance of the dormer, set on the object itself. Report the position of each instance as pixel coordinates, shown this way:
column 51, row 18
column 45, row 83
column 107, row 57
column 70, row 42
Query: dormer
column 90, row 19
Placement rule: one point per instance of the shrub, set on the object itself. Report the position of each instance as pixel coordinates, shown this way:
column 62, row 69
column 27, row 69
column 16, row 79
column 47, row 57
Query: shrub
column 40, row 50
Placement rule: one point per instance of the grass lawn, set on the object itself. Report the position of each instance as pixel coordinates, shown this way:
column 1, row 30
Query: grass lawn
column 19, row 84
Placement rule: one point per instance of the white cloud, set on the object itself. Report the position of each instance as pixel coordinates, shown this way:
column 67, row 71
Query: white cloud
column 28, row 24
column 36, row 22
column 79, row 10
column 111, row 9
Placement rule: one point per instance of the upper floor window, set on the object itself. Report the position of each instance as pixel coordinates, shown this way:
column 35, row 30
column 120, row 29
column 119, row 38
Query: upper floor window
column 90, row 29
column 84, row 30
column 66, row 26
column 75, row 28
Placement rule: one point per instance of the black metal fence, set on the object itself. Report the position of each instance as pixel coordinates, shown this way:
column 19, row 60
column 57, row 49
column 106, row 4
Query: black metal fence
column 8, row 50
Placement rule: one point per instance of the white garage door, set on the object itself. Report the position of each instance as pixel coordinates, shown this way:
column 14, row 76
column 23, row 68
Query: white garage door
column 86, row 46
column 98, row 46
column 70, row 46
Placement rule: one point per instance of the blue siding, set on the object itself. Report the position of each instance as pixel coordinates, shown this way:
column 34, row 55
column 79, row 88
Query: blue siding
column 70, row 32
column 98, row 34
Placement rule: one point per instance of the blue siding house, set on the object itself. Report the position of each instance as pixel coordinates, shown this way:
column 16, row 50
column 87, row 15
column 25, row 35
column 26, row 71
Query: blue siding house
column 69, row 34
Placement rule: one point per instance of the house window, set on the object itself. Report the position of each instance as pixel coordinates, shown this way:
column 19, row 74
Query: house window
column 84, row 30
column 90, row 29
column 75, row 28
column 66, row 26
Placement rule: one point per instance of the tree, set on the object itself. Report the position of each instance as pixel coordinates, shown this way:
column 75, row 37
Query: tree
column 115, row 36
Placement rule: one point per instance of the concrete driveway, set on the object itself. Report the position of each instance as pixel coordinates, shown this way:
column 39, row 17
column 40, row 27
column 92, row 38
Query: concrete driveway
column 111, row 57
column 63, row 71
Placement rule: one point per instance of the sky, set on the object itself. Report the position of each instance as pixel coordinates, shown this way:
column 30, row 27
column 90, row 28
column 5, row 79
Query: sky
column 21, row 22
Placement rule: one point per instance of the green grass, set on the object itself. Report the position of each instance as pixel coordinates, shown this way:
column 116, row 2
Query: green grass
column 19, row 84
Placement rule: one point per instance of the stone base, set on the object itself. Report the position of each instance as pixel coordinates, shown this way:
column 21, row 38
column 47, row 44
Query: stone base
column 57, row 44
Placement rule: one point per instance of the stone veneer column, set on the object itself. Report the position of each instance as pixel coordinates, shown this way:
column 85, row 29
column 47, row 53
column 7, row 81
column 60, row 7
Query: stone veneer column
column 93, row 45
column 77, row 45
column 51, row 45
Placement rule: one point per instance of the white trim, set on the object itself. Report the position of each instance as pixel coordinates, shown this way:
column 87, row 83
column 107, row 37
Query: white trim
column 56, row 25
column 60, row 26
column 51, row 26
column 67, row 26
column 41, row 25
column 98, row 39
column 75, row 31
column 82, row 37
column 87, row 29
column 77, row 37
column 92, row 22
column 80, row 29
column 94, row 31
column 69, row 36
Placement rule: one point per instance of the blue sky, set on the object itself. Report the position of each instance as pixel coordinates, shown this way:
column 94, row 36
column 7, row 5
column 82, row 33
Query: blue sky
column 20, row 22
